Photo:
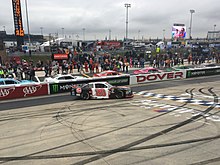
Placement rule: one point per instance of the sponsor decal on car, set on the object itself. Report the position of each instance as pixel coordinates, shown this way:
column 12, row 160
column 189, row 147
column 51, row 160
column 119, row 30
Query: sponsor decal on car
column 78, row 90
column 65, row 87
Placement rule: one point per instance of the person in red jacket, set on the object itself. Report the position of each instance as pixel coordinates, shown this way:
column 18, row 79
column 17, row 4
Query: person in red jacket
column 86, row 66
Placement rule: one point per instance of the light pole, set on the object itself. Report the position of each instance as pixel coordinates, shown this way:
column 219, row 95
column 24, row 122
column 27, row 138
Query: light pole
column 215, row 35
column 109, row 38
column 190, row 29
column 163, row 34
column 126, row 33
column 29, row 38
column 214, row 27
column 62, row 32
column 41, row 30
column 83, row 34
column 139, row 35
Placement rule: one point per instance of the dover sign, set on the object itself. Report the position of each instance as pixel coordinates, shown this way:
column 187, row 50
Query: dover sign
column 143, row 78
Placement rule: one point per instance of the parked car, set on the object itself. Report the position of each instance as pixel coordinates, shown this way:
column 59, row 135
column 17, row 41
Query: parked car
column 182, row 67
column 147, row 70
column 107, row 73
column 11, row 81
column 101, row 90
column 207, row 65
column 62, row 78
column 168, row 69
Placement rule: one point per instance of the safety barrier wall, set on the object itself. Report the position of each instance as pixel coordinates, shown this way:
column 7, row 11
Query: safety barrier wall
column 30, row 90
column 199, row 72
column 22, row 91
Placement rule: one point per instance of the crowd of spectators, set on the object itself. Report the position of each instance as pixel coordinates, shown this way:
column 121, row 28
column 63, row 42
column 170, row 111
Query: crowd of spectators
column 90, row 63
column 21, row 71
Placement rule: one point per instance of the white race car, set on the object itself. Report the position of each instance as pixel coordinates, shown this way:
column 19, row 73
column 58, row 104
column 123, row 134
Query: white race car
column 62, row 78
column 101, row 90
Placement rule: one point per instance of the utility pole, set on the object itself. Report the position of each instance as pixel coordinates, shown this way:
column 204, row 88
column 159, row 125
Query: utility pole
column 126, row 33
column 190, row 29
column 109, row 38
column 29, row 38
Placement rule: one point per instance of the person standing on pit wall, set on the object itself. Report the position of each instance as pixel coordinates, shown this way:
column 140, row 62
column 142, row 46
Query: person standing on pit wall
column 32, row 73
column 63, row 67
column 78, row 66
column 71, row 67
column 126, row 66
column 66, row 67
column 189, row 58
column 97, row 67
column 1, row 73
column 131, row 62
column 86, row 66
column 29, row 52
column 46, row 69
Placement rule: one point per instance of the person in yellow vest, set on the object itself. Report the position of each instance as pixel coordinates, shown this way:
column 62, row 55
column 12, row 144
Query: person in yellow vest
column 1, row 72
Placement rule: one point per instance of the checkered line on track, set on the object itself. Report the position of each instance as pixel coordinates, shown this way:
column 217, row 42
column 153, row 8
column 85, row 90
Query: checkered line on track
column 178, row 99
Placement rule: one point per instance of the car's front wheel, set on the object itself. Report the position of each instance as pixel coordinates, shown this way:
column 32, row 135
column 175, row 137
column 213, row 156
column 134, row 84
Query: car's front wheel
column 119, row 95
column 85, row 96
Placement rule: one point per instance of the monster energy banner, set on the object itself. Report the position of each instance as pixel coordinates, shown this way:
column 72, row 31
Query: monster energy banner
column 66, row 87
column 202, row 72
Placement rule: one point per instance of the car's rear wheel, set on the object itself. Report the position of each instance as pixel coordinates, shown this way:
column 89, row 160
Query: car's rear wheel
column 119, row 94
column 85, row 96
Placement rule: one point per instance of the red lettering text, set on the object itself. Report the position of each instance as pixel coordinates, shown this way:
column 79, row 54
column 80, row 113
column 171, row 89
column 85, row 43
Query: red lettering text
column 170, row 75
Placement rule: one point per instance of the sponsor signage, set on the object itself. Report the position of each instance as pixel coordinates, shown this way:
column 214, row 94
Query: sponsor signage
column 202, row 72
column 12, row 92
column 60, row 56
column 19, row 31
column 143, row 78
column 60, row 87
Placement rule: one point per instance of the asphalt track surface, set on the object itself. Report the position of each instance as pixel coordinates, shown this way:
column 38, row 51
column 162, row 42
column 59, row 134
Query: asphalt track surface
column 147, row 129
column 44, row 100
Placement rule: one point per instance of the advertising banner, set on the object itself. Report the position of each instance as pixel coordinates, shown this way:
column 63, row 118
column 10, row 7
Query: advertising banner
column 153, row 77
column 60, row 56
column 12, row 92
column 66, row 87
column 202, row 72
column 19, row 31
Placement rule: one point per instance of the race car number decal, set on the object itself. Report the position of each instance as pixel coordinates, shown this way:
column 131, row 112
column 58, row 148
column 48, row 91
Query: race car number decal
column 78, row 90
column 100, row 92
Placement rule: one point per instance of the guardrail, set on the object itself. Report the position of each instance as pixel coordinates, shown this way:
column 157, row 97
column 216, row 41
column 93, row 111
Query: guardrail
column 198, row 72
column 31, row 90
column 22, row 91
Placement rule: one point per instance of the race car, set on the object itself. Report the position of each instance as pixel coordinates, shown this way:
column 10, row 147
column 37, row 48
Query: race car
column 101, row 90
column 62, row 78
column 12, row 81
column 107, row 73
column 147, row 70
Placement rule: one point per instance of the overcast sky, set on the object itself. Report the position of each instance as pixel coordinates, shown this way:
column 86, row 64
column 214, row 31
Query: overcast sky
column 147, row 18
